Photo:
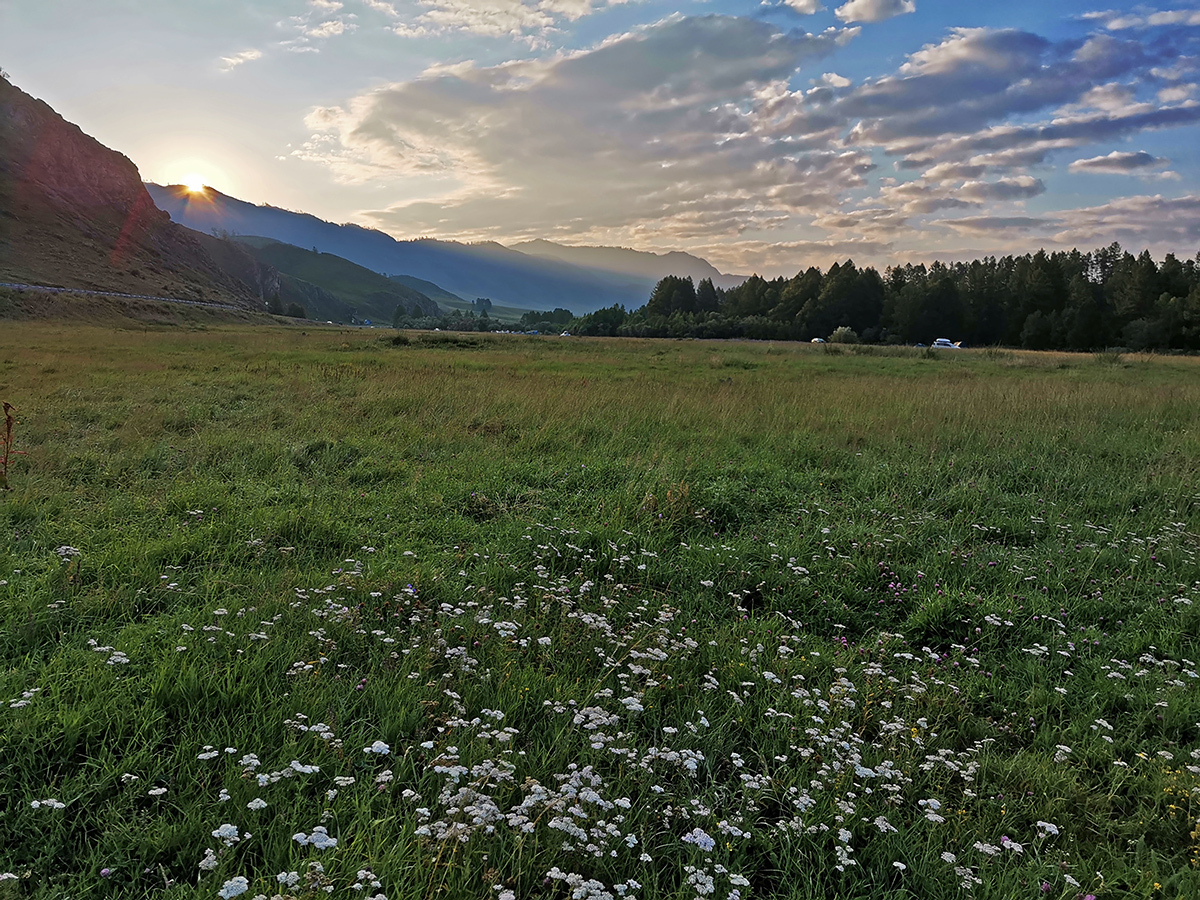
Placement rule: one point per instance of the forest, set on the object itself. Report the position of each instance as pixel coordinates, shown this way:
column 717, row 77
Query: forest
column 1040, row 301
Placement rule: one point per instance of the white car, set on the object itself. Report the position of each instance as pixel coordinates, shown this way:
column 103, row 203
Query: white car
column 945, row 342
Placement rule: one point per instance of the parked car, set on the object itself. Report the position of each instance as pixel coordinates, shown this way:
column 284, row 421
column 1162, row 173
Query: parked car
column 945, row 342
column 817, row 341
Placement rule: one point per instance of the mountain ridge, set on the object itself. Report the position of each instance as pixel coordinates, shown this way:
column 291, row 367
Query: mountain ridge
column 488, row 269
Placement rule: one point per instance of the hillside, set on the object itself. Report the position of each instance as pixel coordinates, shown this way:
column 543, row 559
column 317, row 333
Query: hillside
column 506, row 276
column 74, row 213
column 359, row 293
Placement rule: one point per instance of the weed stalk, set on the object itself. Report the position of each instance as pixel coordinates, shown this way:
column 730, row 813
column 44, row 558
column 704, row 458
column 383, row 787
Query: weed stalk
column 9, row 421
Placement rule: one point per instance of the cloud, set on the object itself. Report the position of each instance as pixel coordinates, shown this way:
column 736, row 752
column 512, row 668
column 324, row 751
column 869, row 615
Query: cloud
column 805, row 7
column 1022, row 187
column 1163, row 224
column 382, row 6
column 1117, row 163
column 1117, row 21
column 523, row 19
column 874, row 10
column 229, row 63
column 329, row 28
column 690, row 132
column 1019, row 226
column 658, row 128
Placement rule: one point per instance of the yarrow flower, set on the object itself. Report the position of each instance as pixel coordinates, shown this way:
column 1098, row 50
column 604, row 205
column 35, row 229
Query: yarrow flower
column 319, row 838
column 227, row 833
column 379, row 748
column 234, row 887
column 701, row 839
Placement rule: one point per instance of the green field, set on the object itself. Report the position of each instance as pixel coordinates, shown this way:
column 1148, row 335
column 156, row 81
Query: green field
column 548, row 618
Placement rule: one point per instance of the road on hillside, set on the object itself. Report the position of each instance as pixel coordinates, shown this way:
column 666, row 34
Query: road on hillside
column 44, row 289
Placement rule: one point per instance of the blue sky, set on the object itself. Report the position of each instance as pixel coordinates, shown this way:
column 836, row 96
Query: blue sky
column 765, row 136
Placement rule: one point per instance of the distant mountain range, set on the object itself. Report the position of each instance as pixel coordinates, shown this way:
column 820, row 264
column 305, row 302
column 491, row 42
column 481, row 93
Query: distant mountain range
column 75, row 214
column 536, row 275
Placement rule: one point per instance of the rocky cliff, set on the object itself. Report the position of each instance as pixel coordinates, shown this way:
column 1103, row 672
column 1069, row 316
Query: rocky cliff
column 74, row 213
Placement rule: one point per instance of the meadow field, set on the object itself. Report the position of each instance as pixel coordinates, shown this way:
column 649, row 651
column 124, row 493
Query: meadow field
column 311, row 612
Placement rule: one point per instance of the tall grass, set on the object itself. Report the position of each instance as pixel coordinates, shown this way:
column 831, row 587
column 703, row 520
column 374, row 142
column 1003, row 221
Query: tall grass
column 588, row 618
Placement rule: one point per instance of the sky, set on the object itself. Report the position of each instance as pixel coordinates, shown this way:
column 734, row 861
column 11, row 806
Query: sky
column 765, row 136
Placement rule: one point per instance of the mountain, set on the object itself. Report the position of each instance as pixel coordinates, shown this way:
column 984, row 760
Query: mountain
column 271, row 286
column 74, row 213
column 357, row 292
column 637, row 263
column 432, row 291
column 505, row 276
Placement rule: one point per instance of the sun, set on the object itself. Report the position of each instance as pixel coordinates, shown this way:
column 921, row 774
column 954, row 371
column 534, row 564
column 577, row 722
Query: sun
column 194, row 183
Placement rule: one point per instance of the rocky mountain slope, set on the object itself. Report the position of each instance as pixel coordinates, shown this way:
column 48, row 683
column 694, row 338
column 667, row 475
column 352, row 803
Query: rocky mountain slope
column 74, row 213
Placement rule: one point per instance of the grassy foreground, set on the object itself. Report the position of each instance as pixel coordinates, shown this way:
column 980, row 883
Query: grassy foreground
column 316, row 614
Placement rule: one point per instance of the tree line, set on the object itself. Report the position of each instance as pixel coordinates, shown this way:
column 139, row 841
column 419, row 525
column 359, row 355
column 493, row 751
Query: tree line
column 1040, row 301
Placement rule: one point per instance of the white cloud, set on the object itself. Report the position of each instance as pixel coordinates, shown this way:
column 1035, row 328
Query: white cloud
column 689, row 132
column 1163, row 224
column 874, row 10
column 1177, row 93
column 665, row 126
column 229, row 63
column 496, row 18
column 382, row 6
column 805, row 7
column 1116, row 21
column 329, row 28
column 1140, row 163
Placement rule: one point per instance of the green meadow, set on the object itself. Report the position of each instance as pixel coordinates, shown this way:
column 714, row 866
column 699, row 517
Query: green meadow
column 308, row 613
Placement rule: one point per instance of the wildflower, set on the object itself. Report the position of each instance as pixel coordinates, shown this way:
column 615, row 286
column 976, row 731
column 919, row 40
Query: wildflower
column 257, row 803
column 156, row 792
column 700, row 839
column 289, row 879
column 210, row 860
column 319, row 838
column 379, row 748
column 1010, row 844
column 227, row 833
column 234, row 887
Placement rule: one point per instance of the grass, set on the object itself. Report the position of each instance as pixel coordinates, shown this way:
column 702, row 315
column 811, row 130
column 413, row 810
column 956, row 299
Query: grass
column 632, row 618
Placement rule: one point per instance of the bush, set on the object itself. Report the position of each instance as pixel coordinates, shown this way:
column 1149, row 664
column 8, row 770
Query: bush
column 843, row 335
